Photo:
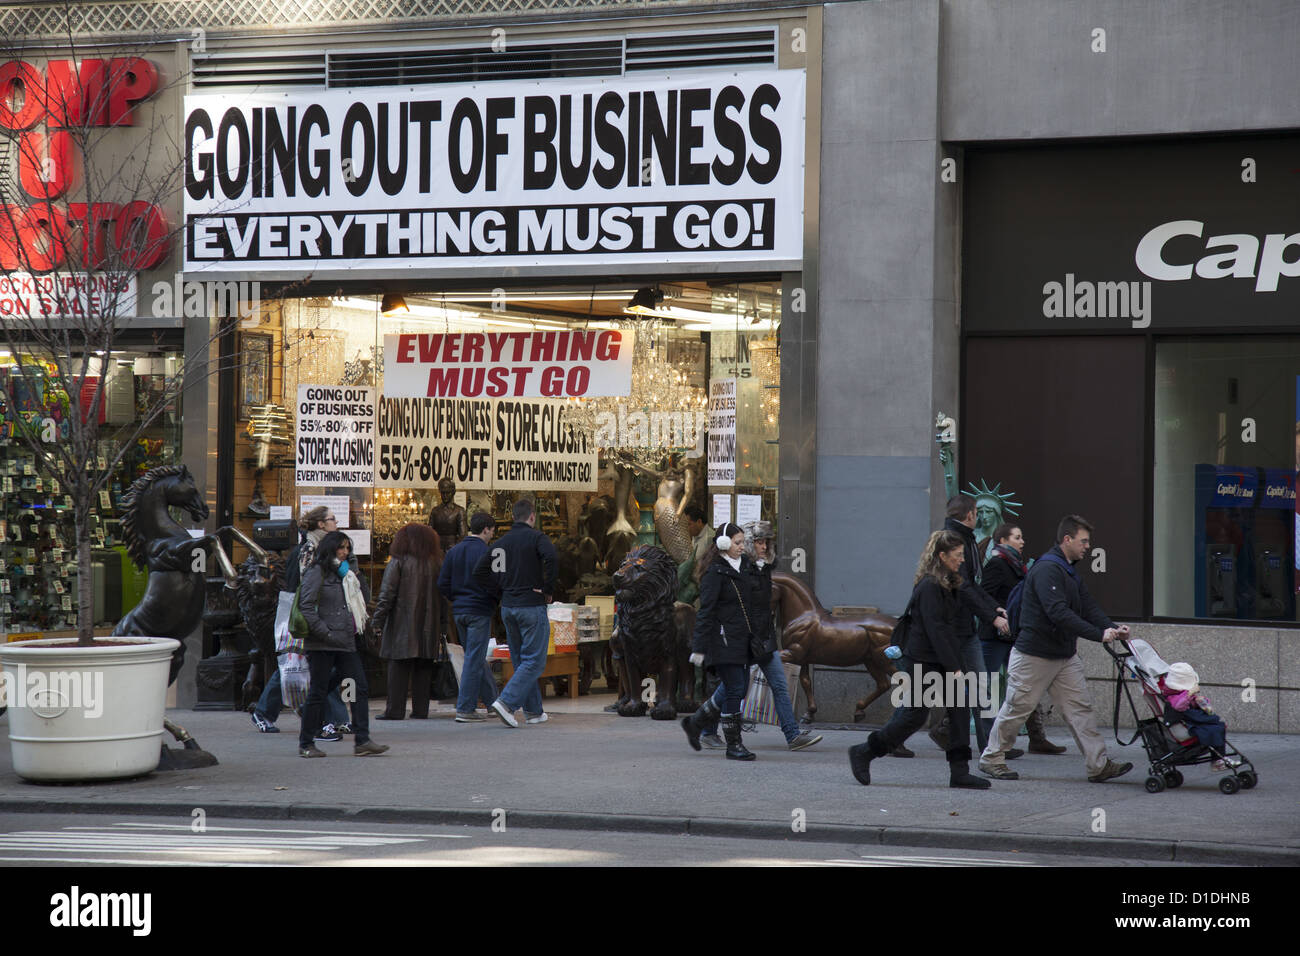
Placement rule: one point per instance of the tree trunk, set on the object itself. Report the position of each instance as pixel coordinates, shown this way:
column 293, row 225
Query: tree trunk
column 85, row 580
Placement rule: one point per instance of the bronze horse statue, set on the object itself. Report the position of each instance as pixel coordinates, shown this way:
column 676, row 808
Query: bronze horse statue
column 177, row 563
column 811, row 635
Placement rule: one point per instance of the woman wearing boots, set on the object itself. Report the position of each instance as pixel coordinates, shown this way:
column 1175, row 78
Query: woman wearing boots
column 1002, row 572
column 933, row 647
column 724, row 637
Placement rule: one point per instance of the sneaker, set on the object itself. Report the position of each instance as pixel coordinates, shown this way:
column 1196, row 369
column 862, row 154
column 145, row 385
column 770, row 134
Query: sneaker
column 539, row 719
column 507, row 718
column 471, row 718
column 1110, row 771
column 311, row 750
column 998, row 771
column 263, row 725
column 328, row 733
column 713, row 742
column 370, row 749
column 1219, row 766
column 804, row 741
column 345, row 729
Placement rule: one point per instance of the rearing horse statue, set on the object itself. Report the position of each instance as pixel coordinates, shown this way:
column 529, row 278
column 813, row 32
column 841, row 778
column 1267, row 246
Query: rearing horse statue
column 177, row 562
column 811, row 635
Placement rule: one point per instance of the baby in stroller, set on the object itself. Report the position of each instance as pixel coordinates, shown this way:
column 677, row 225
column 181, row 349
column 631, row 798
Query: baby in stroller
column 1180, row 688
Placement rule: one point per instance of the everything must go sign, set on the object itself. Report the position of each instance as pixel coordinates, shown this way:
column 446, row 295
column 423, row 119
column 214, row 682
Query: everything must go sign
column 557, row 172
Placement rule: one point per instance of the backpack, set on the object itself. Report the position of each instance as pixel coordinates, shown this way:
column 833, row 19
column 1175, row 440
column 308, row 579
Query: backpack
column 1016, row 597
column 898, row 637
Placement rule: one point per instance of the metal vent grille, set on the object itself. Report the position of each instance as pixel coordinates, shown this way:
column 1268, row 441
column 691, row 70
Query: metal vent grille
column 272, row 69
column 515, row 62
column 734, row 49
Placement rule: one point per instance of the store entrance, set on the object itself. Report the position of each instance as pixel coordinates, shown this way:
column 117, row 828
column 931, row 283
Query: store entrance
column 606, row 472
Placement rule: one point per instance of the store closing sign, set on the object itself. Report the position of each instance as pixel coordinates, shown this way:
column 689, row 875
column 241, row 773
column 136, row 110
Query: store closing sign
column 580, row 363
column 422, row 441
column 534, row 446
column 705, row 168
column 722, row 432
column 336, row 436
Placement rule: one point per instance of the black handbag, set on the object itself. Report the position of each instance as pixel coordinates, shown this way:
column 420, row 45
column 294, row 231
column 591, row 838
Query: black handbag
column 444, row 676
column 757, row 646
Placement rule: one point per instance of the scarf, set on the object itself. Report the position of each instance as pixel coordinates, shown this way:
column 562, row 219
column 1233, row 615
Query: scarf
column 1012, row 557
column 734, row 562
column 307, row 553
column 356, row 600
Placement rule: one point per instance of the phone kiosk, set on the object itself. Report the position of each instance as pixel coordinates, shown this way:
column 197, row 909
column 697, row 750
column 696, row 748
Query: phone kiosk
column 1245, row 542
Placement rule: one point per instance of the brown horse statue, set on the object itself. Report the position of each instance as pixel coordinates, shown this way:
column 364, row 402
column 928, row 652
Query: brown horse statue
column 810, row 635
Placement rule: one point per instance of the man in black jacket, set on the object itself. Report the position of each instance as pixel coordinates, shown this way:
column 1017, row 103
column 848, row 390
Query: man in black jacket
column 1055, row 611
column 975, row 603
column 522, row 568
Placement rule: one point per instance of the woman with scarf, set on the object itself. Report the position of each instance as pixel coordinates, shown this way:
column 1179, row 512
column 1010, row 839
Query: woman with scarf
column 727, row 635
column 333, row 601
column 1005, row 569
column 406, row 617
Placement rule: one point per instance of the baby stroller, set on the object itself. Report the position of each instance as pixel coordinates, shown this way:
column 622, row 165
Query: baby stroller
column 1168, row 742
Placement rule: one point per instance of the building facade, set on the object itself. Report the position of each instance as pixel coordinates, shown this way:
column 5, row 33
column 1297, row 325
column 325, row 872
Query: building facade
column 1071, row 227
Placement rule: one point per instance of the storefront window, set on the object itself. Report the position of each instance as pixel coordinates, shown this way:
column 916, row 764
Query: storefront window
column 595, row 466
column 38, row 583
column 1227, row 446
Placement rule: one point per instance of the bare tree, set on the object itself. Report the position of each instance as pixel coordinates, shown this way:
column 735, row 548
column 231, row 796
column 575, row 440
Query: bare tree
column 90, row 163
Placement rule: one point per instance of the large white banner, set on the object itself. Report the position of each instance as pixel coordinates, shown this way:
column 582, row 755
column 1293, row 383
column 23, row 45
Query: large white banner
column 422, row 441
column 571, row 364
column 534, row 447
column 705, row 168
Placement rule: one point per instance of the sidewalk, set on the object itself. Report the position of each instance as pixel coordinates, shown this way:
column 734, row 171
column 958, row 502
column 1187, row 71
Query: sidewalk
column 590, row 770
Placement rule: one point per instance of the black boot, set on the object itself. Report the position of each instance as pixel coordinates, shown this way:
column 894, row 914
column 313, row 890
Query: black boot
column 939, row 731
column 959, row 771
column 1038, row 742
column 696, row 722
column 731, row 730
column 861, row 755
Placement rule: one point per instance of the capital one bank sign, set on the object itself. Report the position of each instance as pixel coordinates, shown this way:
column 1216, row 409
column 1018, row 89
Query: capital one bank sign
column 60, row 254
column 556, row 172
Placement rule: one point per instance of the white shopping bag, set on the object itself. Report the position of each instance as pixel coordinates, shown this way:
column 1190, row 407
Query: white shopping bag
column 457, row 655
column 282, row 610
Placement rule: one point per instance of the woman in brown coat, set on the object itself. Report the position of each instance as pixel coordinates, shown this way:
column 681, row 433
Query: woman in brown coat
column 406, row 617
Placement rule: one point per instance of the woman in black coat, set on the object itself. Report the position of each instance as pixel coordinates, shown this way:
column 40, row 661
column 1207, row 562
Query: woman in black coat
column 932, row 648
column 726, row 630
column 406, row 617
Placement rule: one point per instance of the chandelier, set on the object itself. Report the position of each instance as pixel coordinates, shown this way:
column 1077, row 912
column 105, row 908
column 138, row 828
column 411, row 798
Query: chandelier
column 660, row 389
column 765, row 356
column 391, row 510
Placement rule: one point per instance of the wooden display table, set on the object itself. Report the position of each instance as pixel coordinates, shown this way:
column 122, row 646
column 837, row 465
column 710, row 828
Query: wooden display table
column 557, row 665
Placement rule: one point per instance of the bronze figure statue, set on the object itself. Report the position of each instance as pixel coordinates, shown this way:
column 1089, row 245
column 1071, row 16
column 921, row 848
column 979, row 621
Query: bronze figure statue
column 811, row 635
column 451, row 524
column 258, row 593
column 649, row 635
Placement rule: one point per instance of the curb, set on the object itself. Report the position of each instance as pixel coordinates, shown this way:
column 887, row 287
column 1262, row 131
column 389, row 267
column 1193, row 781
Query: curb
column 1167, row 851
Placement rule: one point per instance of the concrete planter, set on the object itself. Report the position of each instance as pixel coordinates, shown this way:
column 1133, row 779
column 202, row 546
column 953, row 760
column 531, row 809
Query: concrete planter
column 86, row 713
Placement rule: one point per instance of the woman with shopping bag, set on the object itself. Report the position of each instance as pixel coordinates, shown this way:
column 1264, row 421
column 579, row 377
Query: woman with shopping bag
column 333, row 602
column 726, row 638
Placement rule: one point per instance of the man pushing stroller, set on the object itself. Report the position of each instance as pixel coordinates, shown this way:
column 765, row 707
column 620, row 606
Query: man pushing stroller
column 1055, row 611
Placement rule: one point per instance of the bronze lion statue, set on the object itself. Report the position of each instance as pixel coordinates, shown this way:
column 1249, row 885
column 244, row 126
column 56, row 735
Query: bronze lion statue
column 650, row 637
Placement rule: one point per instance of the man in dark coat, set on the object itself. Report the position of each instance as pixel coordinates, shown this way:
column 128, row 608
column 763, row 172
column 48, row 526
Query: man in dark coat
column 1055, row 611
column 975, row 603
column 472, row 606
column 522, row 568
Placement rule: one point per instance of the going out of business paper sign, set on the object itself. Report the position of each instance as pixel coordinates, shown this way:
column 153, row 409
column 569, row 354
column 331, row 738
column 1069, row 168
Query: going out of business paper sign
column 336, row 436
column 722, row 432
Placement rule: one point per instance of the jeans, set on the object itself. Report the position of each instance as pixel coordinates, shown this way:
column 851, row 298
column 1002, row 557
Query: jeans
column 774, row 671
column 345, row 665
column 475, row 676
column 270, row 703
column 972, row 662
column 528, row 631
column 734, row 678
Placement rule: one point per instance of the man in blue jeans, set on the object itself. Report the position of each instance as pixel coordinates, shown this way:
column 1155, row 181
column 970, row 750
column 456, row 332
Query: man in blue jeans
column 522, row 568
column 472, row 607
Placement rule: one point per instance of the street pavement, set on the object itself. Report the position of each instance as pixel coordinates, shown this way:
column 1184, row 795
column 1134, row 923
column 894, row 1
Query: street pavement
column 586, row 770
